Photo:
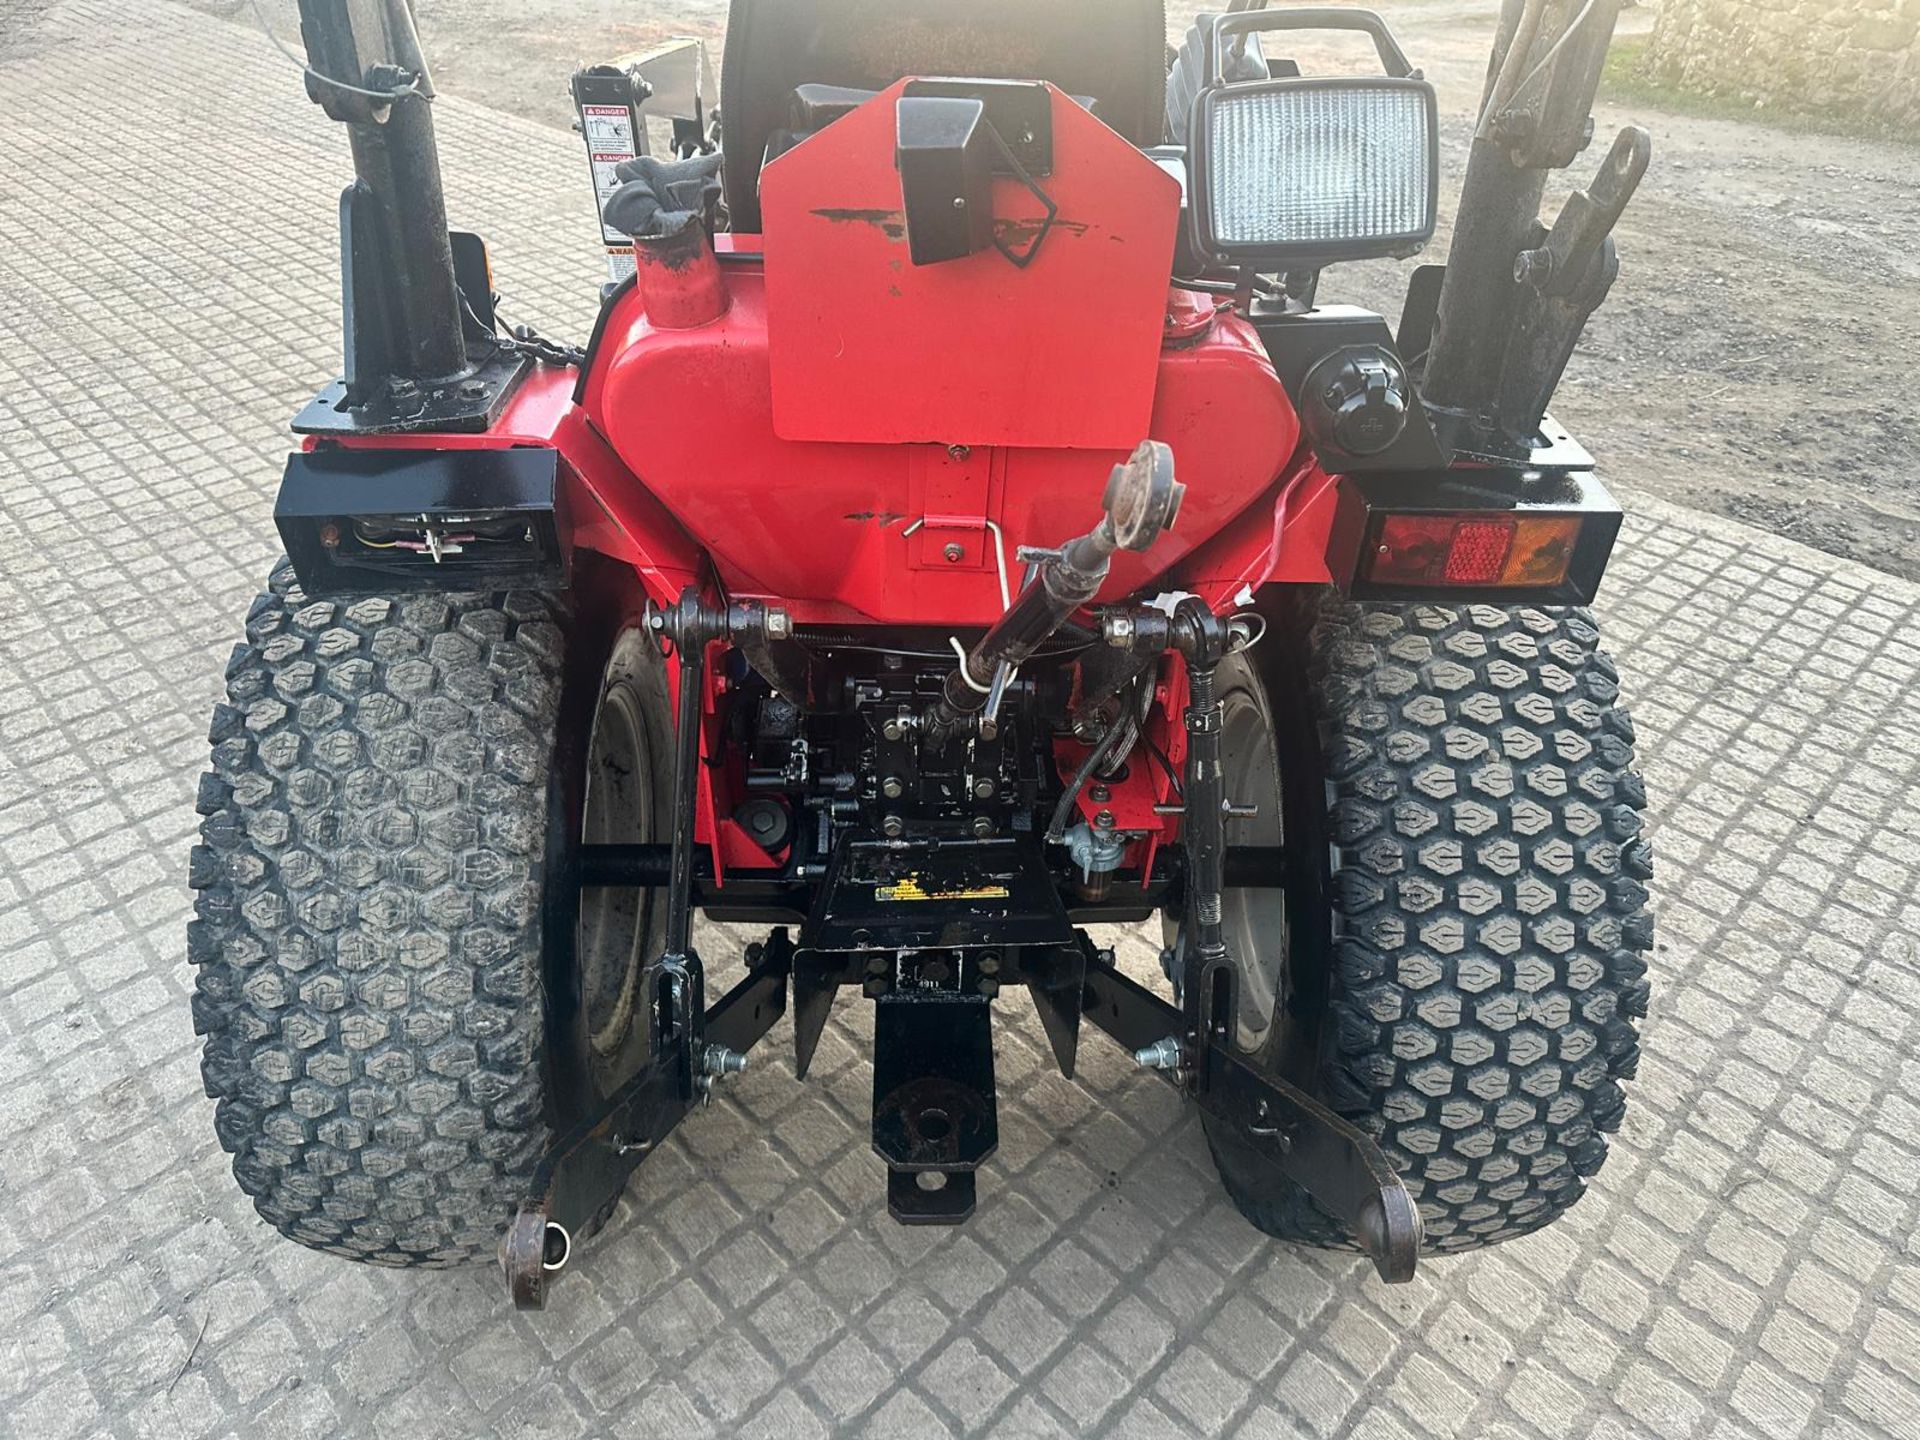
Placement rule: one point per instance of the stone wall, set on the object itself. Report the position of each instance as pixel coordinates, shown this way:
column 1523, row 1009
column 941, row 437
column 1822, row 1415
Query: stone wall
column 1795, row 54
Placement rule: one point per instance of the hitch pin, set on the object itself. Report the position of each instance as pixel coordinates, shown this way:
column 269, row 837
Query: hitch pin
column 1163, row 1054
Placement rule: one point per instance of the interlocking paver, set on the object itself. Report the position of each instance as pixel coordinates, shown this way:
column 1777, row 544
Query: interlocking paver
column 1742, row 1268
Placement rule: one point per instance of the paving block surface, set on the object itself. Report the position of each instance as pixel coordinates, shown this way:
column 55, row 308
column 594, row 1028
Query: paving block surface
column 1744, row 1268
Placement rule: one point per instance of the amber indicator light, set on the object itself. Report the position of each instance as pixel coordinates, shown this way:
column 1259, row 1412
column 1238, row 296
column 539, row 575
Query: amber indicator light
column 1469, row 550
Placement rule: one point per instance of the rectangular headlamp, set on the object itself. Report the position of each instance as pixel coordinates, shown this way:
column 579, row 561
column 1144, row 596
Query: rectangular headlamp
column 1305, row 172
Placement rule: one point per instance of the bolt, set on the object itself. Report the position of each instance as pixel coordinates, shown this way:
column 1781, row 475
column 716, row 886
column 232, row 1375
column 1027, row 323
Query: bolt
column 473, row 389
column 983, row 789
column 1099, row 794
column 1119, row 629
column 990, row 963
column 959, row 202
column 878, row 965
column 891, row 787
column 330, row 535
column 959, row 452
column 982, row 827
column 719, row 1060
column 989, row 727
column 876, row 985
column 402, row 386
column 1105, row 957
column 779, row 624
column 1104, row 820
column 755, row 952
column 894, row 729
column 893, row 827
column 1533, row 267
column 1163, row 1054
column 989, row 987
column 954, row 553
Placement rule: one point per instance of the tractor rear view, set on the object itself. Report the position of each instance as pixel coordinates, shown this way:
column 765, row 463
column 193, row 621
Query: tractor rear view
column 967, row 524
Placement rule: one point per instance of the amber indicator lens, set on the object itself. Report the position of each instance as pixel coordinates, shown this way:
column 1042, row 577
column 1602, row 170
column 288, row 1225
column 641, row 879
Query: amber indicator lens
column 1464, row 550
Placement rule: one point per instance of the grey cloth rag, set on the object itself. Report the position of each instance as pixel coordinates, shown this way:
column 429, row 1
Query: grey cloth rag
column 662, row 197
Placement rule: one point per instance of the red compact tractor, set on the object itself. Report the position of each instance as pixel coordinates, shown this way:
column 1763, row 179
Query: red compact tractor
column 966, row 525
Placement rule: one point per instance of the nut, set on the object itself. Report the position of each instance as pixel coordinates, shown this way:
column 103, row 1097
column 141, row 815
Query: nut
column 982, row 827
column 891, row 787
column 983, row 789
column 893, row 827
column 954, row 552
column 779, row 624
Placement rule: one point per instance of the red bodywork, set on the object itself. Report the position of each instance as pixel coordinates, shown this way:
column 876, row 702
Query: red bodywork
column 846, row 438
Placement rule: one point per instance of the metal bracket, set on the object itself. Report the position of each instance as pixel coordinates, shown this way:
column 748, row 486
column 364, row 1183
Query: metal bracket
column 1328, row 1157
column 586, row 1167
column 935, row 1113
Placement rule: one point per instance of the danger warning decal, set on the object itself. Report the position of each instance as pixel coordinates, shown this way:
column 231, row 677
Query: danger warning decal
column 908, row 887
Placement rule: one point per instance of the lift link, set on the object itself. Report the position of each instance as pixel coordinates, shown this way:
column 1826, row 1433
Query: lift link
column 585, row 1168
column 1339, row 1165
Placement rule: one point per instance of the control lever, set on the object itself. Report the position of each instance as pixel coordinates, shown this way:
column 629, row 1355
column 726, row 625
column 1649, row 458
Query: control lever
column 1560, row 280
column 1557, row 266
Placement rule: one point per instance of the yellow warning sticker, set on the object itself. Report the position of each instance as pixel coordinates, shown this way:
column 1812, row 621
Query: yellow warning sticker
column 908, row 887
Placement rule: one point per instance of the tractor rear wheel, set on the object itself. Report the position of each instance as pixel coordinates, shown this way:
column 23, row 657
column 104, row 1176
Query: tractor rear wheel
column 401, row 994
column 1458, row 961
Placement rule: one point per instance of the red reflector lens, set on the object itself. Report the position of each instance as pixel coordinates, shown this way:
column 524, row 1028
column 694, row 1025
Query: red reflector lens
column 1411, row 549
column 1464, row 550
column 1477, row 552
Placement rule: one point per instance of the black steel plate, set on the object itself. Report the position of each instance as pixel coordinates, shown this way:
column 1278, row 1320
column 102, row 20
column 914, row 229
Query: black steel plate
column 947, row 894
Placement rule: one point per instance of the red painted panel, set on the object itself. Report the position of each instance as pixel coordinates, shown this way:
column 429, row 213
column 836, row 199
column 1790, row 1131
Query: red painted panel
column 867, row 346
column 821, row 526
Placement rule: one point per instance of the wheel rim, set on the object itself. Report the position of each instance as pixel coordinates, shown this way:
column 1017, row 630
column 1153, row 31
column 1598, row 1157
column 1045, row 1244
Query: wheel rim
column 1255, row 921
column 619, row 929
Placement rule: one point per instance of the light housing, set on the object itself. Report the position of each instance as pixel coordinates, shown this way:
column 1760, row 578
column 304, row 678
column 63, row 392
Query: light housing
column 1304, row 172
column 1482, row 535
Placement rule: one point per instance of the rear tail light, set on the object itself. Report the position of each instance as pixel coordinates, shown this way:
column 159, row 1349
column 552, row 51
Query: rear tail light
column 1472, row 550
column 1424, row 535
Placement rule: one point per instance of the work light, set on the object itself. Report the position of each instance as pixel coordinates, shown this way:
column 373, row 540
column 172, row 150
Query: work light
column 1300, row 172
